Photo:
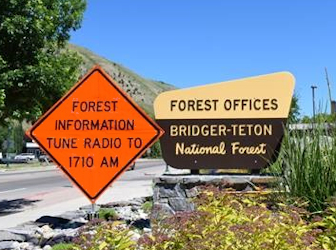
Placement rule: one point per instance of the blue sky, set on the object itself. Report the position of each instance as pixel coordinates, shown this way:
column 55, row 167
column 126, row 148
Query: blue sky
column 194, row 42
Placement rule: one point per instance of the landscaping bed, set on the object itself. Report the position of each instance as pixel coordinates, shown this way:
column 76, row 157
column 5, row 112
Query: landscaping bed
column 222, row 220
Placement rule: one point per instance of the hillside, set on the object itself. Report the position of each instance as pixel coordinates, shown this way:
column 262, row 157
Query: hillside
column 142, row 90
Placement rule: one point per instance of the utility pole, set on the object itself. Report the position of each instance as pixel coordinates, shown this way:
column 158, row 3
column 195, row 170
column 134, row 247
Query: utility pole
column 313, row 87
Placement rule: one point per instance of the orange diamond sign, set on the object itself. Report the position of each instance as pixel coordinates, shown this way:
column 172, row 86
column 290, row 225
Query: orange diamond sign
column 95, row 132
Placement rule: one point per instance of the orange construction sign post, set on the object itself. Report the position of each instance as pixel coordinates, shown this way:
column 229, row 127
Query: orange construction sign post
column 95, row 132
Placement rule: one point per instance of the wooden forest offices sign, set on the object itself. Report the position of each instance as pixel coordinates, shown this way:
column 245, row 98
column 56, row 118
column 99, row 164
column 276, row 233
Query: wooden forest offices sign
column 235, row 124
column 95, row 132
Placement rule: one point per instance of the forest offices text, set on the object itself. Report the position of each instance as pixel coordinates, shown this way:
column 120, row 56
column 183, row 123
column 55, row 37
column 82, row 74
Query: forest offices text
column 228, row 104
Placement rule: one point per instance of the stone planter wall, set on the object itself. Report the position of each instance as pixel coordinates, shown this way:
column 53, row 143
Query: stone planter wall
column 174, row 193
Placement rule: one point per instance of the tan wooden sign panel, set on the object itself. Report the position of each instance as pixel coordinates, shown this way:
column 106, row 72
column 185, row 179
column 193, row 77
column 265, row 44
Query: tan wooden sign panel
column 95, row 132
column 235, row 124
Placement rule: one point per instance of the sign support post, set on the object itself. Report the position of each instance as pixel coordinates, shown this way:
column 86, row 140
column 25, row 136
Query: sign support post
column 93, row 214
column 194, row 171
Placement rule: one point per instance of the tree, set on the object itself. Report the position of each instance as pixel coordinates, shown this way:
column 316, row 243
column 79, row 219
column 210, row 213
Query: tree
column 320, row 118
column 35, row 67
column 294, row 112
column 306, row 119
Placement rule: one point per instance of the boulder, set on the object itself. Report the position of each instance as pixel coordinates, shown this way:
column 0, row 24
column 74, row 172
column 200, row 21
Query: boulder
column 9, row 236
column 161, row 210
column 9, row 245
column 180, row 204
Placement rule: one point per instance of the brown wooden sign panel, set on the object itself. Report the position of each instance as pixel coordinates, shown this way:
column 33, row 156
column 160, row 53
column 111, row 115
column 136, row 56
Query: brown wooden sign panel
column 236, row 124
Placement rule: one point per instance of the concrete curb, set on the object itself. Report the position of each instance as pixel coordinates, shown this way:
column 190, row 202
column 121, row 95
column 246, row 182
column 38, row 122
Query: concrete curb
column 29, row 170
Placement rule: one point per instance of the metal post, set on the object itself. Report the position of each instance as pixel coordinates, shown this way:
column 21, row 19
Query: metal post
column 313, row 87
column 194, row 171
column 93, row 214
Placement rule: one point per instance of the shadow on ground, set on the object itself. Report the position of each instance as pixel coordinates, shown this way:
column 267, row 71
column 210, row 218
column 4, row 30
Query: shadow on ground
column 14, row 206
column 58, row 222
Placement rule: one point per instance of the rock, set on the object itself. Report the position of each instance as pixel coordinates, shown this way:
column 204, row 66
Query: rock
column 70, row 232
column 171, row 190
column 142, row 214
column 9, row 245
column 156, row 193
column 26, row 246
column 124, row 212
column 47, row 247
column 64, row 235
column 167, row 191
column 161, row 210
column 130, row 213
column 81, row 220
column 77, row 215
column 9, row 236
column 133, row 202
column 29, row 230
column 164, row 200
column 35, row 240
column 191, row 180
column 180, row 204
column 192, row 192
column 134, row 236
column 137, row 201
column 248, row 188
column 26, row 229
column 47, row 232
column 58, row 237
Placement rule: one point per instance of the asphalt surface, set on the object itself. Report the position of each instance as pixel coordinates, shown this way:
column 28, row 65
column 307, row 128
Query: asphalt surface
column 21, row 184
column 26, row 192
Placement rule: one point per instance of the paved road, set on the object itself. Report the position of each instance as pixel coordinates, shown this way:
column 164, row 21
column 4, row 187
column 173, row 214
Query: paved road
column 29, row 195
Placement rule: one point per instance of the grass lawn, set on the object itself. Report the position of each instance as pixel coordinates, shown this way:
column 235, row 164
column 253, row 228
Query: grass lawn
column 22, row 166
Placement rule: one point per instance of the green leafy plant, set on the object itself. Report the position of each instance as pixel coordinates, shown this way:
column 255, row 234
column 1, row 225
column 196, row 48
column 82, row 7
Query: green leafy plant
column 234, row 222
column 105, row 236
column 328, row 224
column 147, row 206
column 107, row 214
column 63, row 246
column 155, row 150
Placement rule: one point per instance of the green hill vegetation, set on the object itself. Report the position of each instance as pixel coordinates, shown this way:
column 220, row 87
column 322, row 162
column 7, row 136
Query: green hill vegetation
column 142, row 90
